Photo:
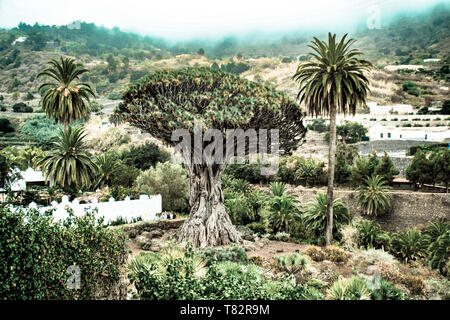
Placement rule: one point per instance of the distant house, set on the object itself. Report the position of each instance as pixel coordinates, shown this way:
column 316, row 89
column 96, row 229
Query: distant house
column 28, row 178
column 375, row 109
column 380, row 132
column 403, row 67
column 431, row 60
column 19, row 39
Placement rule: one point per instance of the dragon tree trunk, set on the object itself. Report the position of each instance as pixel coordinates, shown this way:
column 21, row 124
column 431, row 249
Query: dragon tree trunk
column 208, row 223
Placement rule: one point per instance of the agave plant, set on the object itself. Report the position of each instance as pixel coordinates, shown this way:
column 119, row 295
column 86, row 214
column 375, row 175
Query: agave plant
column 373, row 196
column 315, row 215
column 68, row 162
column 349, row 289
column 292, row 263
column 277, row 188
column 63, row 99
column 409, row 245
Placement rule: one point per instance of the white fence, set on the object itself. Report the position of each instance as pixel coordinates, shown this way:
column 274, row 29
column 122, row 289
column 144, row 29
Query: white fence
column 146, row 207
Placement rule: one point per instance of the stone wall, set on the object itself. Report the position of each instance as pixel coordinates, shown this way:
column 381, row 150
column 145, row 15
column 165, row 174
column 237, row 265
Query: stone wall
column 409, row 209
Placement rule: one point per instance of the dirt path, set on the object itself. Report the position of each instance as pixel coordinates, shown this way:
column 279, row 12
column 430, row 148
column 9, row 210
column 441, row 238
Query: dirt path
column 274, row 248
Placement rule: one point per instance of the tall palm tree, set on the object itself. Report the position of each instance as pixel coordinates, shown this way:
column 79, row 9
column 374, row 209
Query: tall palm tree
column 69, row 163
column 64, row 99
column 332, row 81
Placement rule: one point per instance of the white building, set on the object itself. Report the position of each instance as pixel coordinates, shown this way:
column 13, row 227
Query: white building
column 19, row 39
column 28, row 178
column 431, row 60
column 379, row 132
column 403, row 67
column 375, row 109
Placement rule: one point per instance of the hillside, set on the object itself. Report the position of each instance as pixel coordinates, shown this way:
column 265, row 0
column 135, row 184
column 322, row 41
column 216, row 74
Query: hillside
column 116, row 58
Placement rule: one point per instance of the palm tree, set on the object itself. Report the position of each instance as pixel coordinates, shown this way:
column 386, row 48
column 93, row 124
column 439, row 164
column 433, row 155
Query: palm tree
column 64, row 100
column 373, row 196
column 333, row 81
column 315, row 214
column 69, row 163
column 107, row 164
column 283, row 208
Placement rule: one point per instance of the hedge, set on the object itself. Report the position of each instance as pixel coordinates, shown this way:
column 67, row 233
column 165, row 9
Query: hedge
column 36, row 252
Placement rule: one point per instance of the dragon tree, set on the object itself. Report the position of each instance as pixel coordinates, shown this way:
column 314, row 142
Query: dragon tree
column 167, row 100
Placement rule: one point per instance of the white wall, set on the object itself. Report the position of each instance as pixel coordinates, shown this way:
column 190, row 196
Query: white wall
column 146, row 207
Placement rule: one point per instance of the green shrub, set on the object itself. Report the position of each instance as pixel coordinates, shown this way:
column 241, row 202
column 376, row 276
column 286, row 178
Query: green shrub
column 349, row 289
column 170, row 181
column 384, row 290
column 319, row 125
column 292, row 263
column 370, row 235
column 363, row 168
column 411, row 88
column 374, row 196
column 41, row 129
column 299, row 170
column 259, row 227
column 233, row 253
column 172, row 275
column 22, row 107
column 182, row 275
column 386, row 169
column 145, row 155
column 35, row 254
column 243, row 203
column 6, row 126
column 439, row 253
column 315, row 215
column 250, row 172
column 282, row 207
column 409, row 245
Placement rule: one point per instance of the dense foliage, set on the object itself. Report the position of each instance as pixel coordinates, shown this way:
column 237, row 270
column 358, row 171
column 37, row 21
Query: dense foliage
column 35, row 254
column 170, row 181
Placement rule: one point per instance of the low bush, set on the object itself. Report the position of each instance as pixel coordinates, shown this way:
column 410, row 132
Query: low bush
column 409, row 245
column 384, row 290
column 145, row 155
column 292, row 263
column 36, row 254
column 170, row 181
column 415, row 284
column 370, row 235
column 299, row 170
column 316, row 254
column 233, row 253
column 336, row 254
column 22, row 107
column 349, row 289
column 183, row 275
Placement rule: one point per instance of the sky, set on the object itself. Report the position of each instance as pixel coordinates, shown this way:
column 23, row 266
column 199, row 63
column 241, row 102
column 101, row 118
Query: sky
column 186, row 19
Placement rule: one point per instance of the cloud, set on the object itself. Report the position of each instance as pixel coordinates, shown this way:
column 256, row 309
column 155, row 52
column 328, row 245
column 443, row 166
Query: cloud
column 182, row 19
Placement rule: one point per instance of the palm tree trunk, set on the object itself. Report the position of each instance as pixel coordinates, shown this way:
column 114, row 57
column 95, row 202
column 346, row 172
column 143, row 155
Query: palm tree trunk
column 331, row 161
